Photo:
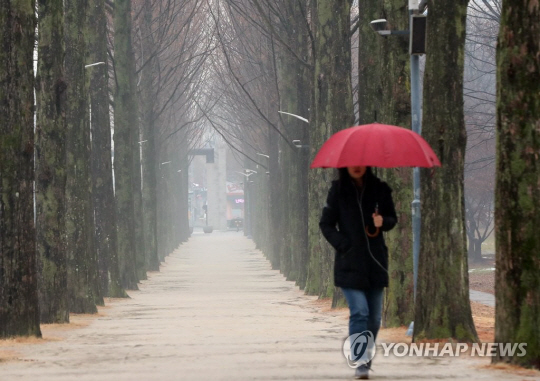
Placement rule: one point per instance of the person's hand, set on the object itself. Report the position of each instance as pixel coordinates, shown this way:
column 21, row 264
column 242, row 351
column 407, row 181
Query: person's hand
column 377, row 220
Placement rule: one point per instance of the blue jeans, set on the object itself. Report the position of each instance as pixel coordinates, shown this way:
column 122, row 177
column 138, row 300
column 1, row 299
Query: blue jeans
column 365, row 309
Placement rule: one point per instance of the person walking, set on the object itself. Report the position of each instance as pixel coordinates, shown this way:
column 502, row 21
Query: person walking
column 358, row 209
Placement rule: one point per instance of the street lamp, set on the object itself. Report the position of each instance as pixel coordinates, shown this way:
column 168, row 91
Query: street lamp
column 417, row 36
column 298, row 144
column 380, row 26
column 294, row 115
column 245, row 174
column 247, row 201
column 94, row 64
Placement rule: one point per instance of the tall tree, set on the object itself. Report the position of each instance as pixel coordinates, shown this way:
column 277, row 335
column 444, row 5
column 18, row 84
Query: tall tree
column 102, row 179
column 332, row 111
column 136, row 187
column 51, row 164
column 295, row 81
column 396, row 109
column 125, row 132
column 442, row 302
column 384, row 97
column 517, row 212
column 149, row 134
column 82, row 260
column 19, row 313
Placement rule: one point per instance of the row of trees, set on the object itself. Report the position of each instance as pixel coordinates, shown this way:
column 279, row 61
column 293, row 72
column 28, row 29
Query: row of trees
column 299, row 57
column 111, row 83
column 232, row 65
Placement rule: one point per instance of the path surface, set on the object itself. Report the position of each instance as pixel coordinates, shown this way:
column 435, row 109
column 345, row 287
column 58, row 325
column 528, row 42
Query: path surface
column 482, row 297
column 217, row 311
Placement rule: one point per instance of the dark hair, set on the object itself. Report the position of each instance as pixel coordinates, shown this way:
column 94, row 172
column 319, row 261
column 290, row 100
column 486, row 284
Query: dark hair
column 345, row 180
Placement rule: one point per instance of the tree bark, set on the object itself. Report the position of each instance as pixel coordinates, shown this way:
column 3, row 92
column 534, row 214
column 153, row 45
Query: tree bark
column 51, row 164
column 140, row 249
column 294, row 83
column 443, row 308
column 332, row 111
column 149, row 133
column 517, row 279
column 19, row 313
column 102, row 180
column 82, row 260
column 395, row 109
column 369, row 63
column 474, row 252
column 125, row 122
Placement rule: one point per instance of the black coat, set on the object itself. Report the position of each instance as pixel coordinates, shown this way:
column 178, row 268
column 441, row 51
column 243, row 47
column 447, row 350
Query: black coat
column 341, row 224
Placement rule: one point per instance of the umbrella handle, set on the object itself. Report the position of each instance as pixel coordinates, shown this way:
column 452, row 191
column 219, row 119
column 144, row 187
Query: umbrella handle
column 377, row 230
column 372, row 235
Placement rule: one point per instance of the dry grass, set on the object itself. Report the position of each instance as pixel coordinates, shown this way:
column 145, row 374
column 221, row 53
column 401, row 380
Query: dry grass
column 52, row 332
column 395, row 335
column 325, row 306
column 49, row 332
column 484, row 320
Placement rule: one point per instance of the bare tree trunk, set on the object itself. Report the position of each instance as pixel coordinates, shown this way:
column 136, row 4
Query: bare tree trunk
column 396, row 109
column 51, row 164
column 517, row 279
column 474, row 252
column 149, row 132
column 125, row 133
column 140, row 245
column 332, row 111
column 82, row 260
column 296, row 96
column 443, row 308
column 183, row 192
column 19, row 313
column 369, row 61
column 274, row 232
column 102, row 180
column 165, row 202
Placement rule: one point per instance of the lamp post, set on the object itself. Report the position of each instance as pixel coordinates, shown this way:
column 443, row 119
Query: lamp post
column 94, row 64
column 416, row 125
column 247, row 201
column 416, row 47
column 416, row 33
column 294, row 115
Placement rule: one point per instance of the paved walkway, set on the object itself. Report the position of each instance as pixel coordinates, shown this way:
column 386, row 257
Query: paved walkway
column 482, row 297
column 216, row 311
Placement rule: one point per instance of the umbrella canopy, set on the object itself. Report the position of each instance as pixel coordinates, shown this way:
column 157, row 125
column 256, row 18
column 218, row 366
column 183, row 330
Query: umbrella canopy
column 376, row 145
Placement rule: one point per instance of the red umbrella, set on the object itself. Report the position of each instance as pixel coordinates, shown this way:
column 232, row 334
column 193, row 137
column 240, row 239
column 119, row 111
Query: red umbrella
column 375, row 145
